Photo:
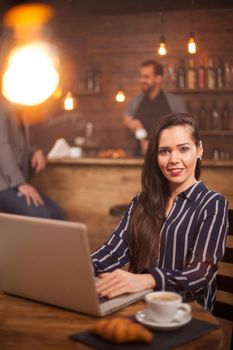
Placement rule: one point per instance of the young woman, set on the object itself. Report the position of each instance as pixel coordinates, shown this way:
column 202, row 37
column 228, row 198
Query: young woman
column 173, row 233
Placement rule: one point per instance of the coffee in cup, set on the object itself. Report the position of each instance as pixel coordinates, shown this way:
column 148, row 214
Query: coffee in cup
column 163, row 306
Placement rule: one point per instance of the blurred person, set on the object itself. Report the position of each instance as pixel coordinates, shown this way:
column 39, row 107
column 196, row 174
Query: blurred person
column 145, row 110
column 173, row 232
column 17, row 196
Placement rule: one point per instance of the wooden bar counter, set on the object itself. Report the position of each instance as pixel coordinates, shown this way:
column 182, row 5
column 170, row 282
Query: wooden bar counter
column 88, row 187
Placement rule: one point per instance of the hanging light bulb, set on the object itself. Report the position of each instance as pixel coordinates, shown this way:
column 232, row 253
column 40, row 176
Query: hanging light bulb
column 120, row 96
column 69, row 102
column 32, row 69
column 192, row 47
column 25, row 85
column 162, row 50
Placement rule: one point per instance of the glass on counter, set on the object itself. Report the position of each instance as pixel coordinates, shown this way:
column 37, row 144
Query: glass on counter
column 90, row 142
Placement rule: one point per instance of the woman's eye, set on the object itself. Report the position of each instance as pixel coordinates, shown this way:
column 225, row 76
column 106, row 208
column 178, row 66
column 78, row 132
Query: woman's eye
column 163, row 152
column 184, row 149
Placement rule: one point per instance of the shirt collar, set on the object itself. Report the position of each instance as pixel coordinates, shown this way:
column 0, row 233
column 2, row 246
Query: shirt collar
column 191, row 192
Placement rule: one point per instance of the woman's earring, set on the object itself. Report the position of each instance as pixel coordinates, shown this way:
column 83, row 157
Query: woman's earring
column 200, row 157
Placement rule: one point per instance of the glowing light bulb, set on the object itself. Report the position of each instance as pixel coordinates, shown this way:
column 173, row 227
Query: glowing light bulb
column 69, row 102
column 31, row 76
column 120, row 96
column 162, row 50
column 192, row 47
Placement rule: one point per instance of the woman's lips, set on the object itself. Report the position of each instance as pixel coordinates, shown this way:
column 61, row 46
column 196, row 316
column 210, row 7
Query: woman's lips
column 175, row 172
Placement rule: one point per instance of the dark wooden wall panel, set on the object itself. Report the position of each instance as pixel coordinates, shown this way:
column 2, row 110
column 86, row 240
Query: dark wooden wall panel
column 118, row 44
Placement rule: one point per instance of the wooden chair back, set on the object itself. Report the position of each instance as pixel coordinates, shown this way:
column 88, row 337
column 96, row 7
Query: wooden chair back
column 224, row 301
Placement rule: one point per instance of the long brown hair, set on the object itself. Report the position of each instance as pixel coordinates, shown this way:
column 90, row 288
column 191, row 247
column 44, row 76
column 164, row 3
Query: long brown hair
column 149, row 213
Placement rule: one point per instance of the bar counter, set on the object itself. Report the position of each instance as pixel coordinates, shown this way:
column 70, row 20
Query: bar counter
column 129, row 161
column 88, row 187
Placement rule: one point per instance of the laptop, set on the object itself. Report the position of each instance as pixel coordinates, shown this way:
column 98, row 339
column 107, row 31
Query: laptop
column 49, row 261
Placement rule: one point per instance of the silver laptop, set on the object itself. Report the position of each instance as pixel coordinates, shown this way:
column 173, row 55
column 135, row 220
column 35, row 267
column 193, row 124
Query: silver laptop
column 49, row 261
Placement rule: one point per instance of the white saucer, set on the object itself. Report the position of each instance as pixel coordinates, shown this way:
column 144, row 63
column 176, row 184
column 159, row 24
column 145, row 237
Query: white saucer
column 181, row 318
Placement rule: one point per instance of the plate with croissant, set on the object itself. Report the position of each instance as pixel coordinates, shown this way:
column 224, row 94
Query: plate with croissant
column 120, row 330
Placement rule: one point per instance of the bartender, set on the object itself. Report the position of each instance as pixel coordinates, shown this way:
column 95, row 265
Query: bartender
column 153, row 103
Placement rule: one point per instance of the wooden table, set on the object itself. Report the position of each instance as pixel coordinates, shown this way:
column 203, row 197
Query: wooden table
column 26, row 325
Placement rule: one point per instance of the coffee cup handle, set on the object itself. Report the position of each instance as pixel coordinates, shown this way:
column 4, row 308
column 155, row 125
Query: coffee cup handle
column 185, row 307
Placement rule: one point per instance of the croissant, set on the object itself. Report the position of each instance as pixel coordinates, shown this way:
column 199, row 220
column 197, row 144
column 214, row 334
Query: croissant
column 121, row 330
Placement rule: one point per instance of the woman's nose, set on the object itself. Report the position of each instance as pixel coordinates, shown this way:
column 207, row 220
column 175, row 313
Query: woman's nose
column 174, row 157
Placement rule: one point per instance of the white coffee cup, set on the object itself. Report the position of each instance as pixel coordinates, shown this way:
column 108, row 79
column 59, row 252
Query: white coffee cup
column 163, row 306
column 75, row 152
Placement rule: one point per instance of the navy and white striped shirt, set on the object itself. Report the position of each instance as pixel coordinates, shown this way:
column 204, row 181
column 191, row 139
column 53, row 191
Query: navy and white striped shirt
column 192, row 242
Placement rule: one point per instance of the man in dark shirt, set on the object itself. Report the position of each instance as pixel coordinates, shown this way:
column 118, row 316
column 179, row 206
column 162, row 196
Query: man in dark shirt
column 144, row 110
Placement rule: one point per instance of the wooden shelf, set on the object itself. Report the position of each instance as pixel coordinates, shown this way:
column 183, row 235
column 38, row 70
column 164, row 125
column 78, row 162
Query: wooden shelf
column 216, row 132
column 200, row 91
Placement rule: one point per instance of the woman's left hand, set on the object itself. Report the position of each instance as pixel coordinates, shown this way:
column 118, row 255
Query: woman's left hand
column 112, row 284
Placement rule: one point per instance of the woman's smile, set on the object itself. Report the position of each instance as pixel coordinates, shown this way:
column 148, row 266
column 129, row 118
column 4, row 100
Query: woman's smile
column 175, row 171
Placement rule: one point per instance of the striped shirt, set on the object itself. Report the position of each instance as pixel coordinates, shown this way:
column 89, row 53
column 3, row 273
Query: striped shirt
column 192, row 242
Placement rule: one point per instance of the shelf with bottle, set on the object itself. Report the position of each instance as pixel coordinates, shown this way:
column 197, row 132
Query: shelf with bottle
column 221, row 154
column 199, row 75
column 200, row 91
column 214, row 119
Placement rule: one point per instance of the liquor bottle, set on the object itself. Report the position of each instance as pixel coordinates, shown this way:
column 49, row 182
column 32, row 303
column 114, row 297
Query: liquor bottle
column 216, row 154
column 97, row 80
column 90, row 145
column 219, row 75
column 191, row 75
column 172, row 75
column 227, row 76
column 202, row 116
column 166, row 80
column 189, row 107
column 222, row 154
column 180, row 78
column 90, row 80
column 210, row 76
column 226, row 116
column 201, row 75
column 215, row 120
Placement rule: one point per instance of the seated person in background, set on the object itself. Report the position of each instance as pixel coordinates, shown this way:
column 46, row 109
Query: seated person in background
column 16, row 156
column 173, row 233
column 145, row 110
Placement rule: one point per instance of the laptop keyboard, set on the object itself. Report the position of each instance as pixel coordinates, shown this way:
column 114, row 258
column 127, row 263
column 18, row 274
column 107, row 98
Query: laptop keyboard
column 103, row 300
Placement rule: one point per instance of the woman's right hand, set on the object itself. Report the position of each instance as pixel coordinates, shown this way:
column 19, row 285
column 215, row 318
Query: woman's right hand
column 118, row 282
